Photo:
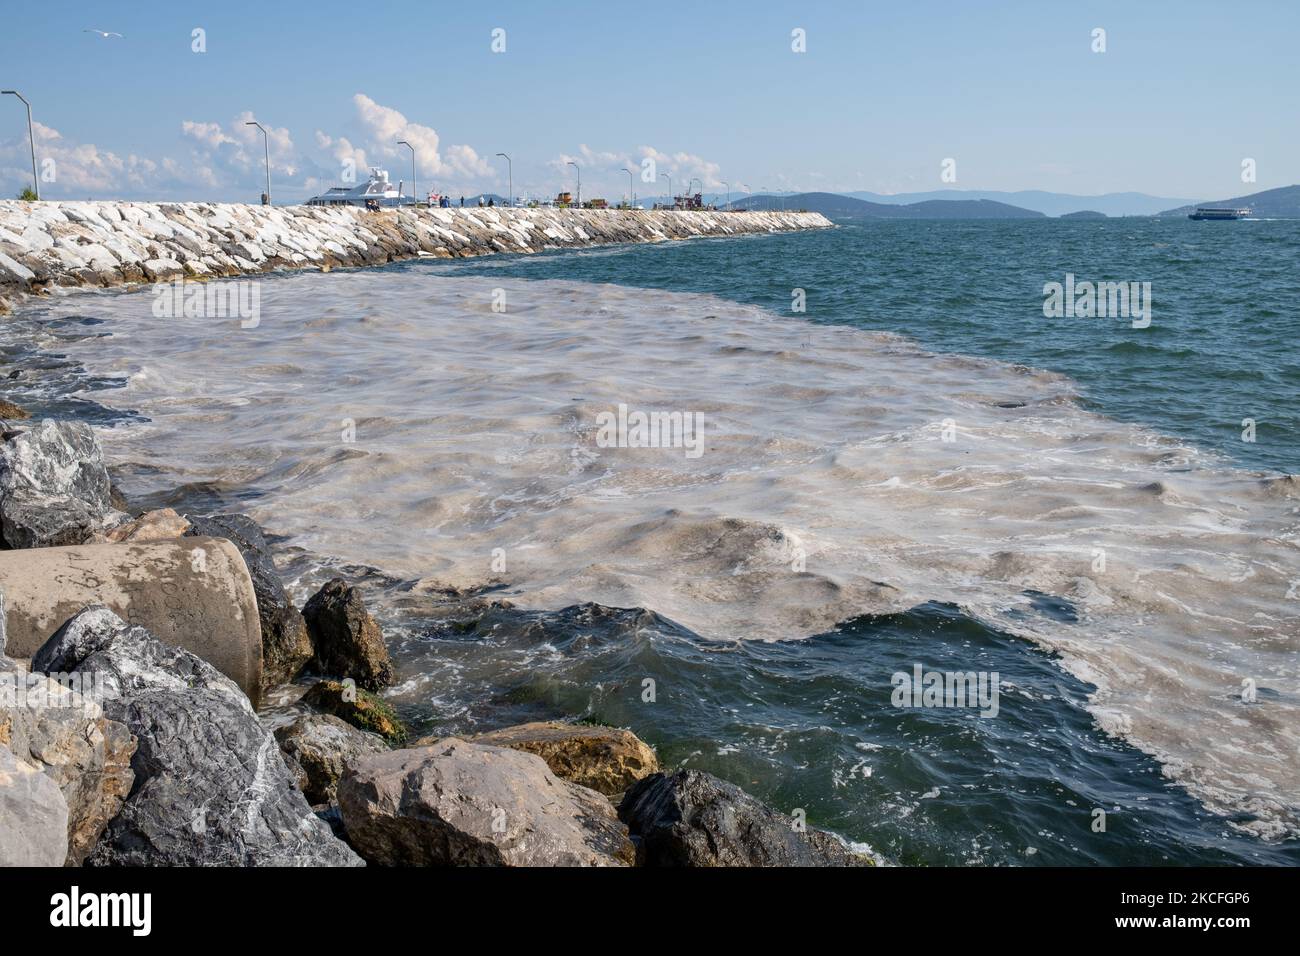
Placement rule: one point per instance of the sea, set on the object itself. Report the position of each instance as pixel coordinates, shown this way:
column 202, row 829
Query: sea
column 775, row 502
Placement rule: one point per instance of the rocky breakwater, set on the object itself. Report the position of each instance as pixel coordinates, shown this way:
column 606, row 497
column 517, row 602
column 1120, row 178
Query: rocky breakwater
column 69, row 244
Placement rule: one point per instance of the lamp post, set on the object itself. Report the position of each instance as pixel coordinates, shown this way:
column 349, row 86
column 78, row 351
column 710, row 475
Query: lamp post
column 629, row 186
column 670, row 189
column 266, row 151
column 747, row 188
column 728, row 185
column 579, row 169
column 510, row 171
column 415, row 189
column 36, row 180
column 762, row 189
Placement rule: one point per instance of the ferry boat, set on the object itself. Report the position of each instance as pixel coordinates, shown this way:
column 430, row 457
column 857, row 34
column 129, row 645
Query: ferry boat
column 377, row 191
column 1216, row 212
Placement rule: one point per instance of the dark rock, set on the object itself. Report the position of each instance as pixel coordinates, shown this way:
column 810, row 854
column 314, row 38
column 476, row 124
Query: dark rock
column 463, row 804
column 347, row 639
column 210, row 786
column 286, row 644
column 358, row 707
column 54, row 489
column 690, row 818
column 318, row 747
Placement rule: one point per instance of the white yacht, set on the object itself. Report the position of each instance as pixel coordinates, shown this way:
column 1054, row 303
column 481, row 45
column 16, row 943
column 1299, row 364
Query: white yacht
column 377, row 191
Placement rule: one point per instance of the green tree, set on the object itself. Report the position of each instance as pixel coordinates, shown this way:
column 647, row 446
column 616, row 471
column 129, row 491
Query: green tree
column 28, row 194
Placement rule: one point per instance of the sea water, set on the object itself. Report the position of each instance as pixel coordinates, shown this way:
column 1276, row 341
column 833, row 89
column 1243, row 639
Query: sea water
column 735, row 493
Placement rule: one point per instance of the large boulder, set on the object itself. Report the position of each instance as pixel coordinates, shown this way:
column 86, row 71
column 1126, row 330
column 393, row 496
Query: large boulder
column 33, row 816
column 464, row 804
column 347, row 639
column 286, row 645
column 605, row 759
column 54, row 489
column 192, row 592
column 61, row 731
column 318, row 748
column 360, row 708
column 690, row 818
column 210, row 785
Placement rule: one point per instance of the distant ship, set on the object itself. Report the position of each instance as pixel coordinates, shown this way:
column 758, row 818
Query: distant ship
column 375, row 192
column 1215, row 212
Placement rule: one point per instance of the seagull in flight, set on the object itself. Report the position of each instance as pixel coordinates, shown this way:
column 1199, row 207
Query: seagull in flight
column 105, row 34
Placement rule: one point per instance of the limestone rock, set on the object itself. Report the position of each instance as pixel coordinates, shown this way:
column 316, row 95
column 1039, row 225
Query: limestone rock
column 605, row 759
column 211, row 788
column 54, row 489
column 347, row 639
column 157, row 525
column 463, row 804
column 690, row 818
column 286, row 644
column 33, row 816
column 318, row 747
column 12, row 412
column 65, row 735
column 358, row 707
column 114, row 243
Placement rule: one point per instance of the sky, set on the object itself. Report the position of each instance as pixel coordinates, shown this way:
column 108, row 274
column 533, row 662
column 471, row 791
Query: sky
column 1015, row 94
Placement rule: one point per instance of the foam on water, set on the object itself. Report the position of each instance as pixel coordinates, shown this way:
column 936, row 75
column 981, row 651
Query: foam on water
column 826, row 489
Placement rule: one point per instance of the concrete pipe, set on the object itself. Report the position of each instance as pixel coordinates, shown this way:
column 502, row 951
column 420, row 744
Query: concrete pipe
column 192, row 592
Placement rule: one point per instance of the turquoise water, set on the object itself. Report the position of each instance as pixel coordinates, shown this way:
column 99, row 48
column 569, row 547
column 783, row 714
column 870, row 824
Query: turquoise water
column 1223, row 344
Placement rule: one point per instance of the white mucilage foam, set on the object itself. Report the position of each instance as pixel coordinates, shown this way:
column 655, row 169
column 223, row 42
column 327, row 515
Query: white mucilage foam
column 395, row 419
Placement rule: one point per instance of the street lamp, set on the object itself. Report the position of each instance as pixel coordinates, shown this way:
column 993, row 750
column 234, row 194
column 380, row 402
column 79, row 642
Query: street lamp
column 266, row 150
column 629, row 186
column 670, row 189
column 579, row 169
column 36, row 180
column 415, row 189
column 728, row 185
column 510, row 169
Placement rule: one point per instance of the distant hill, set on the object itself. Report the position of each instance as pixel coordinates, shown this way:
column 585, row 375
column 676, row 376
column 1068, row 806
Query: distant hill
column 1052, row 204
column 836, row 206
column 1280, row 203
column 1084, row 214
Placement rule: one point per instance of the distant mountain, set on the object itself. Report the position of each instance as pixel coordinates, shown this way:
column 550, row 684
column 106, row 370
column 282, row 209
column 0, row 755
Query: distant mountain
column 1084, row 214
column 1280, row 203
column 1051, row 204
column 835, row 206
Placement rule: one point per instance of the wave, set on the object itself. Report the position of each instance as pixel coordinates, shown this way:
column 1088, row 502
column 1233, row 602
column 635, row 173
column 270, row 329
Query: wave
column 842, row 473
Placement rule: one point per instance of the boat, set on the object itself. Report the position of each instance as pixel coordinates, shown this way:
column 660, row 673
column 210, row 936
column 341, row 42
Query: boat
column 1217, row 212
column 377, row 191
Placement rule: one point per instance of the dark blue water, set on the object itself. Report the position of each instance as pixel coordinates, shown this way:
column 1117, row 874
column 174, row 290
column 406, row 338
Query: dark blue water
column 1223, row 344
column 810, row 725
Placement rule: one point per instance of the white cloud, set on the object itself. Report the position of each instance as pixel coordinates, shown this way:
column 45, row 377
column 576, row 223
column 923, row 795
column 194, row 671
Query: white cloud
column 79, row 169
column 384, row 126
